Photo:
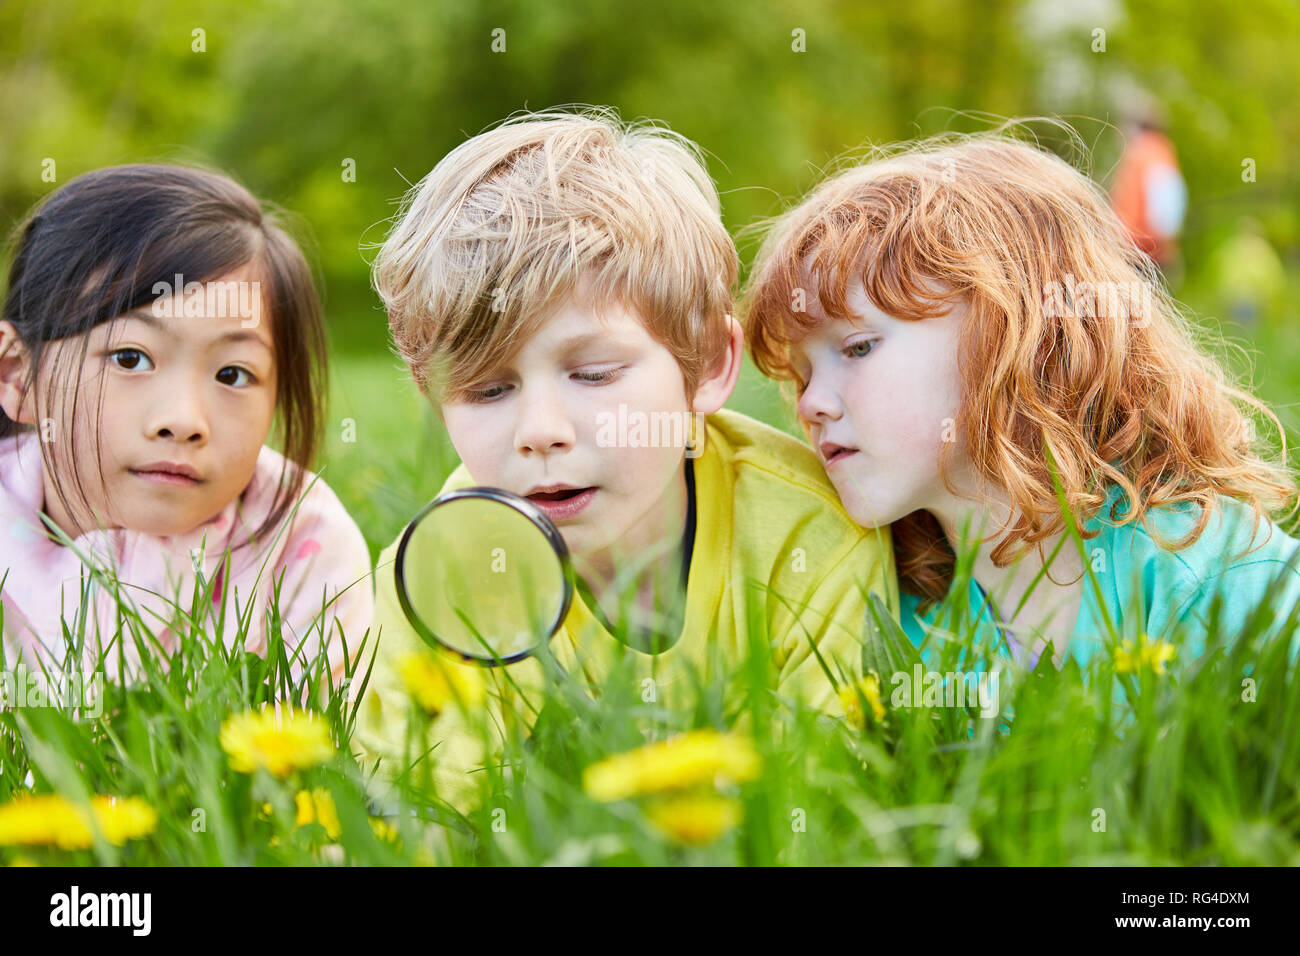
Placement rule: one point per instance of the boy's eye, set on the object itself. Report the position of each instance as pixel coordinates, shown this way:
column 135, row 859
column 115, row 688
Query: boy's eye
column 130, row 360
column 230, row 375
column 860, row 349
column 597, row 378
column 485, row 394
column 492, row 392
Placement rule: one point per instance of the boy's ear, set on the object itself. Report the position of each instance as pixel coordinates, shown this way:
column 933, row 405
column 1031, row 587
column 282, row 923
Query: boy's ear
column 14, row 363
column 716, row 388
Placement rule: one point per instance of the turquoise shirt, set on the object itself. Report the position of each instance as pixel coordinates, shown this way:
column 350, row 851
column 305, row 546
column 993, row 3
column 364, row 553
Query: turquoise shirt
column 1152, row 590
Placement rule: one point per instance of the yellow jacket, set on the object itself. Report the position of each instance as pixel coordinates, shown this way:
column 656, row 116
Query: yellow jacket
column 770, row 531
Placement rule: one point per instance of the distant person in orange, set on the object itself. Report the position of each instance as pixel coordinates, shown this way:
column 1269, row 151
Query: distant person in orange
column 1149, row 193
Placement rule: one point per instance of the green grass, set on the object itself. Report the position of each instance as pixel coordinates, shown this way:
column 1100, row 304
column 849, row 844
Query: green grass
column 1200, row 765
column 1095, row 767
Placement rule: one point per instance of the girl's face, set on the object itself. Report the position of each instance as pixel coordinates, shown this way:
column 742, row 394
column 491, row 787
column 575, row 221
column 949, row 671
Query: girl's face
column 880, row 401
column 186, row 401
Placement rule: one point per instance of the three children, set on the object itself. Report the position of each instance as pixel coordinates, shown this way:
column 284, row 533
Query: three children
column 970, row 333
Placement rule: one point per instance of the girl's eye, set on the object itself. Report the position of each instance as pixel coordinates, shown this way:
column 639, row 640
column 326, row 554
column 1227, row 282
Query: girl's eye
column 597, row 378
column 130, row 360
column 230, row 375
column 860, row 349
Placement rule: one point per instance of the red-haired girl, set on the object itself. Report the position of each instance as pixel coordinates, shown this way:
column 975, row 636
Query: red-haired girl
column 957, row 315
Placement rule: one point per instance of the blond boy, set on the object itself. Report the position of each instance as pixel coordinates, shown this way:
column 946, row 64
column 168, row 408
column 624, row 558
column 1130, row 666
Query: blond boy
column 555, row 277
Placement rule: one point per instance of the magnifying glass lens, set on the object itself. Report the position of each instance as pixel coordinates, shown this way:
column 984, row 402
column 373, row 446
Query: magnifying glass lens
column 484, row 573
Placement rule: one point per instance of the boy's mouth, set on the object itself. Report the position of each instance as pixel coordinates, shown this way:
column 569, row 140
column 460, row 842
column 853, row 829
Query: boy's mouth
column 560, row 502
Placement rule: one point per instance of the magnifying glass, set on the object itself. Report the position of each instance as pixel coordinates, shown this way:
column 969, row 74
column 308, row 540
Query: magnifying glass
column 485, row 574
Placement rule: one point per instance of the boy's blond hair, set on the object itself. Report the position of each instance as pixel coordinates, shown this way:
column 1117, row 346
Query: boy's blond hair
column 543, row 207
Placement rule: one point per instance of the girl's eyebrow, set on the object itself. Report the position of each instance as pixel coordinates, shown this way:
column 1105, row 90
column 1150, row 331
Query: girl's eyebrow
column 234, row 335
column 242, row 335
column 855, row 322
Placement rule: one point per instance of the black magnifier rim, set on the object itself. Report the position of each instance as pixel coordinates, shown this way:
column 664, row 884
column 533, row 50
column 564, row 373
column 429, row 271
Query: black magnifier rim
column 528, row 510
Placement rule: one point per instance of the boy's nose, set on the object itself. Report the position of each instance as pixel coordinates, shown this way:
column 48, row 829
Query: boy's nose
column 544, row 424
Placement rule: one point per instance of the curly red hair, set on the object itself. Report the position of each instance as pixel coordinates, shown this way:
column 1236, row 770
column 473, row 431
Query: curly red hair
column 1071, row 342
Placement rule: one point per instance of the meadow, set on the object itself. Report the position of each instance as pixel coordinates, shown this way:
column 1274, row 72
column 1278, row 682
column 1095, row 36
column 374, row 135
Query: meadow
column 1142, row 757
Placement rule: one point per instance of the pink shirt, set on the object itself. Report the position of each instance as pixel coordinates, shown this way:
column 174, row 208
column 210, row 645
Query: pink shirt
column 322, row 556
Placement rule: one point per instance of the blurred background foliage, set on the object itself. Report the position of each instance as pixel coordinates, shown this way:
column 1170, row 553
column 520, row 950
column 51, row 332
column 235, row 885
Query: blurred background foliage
column 283, row 93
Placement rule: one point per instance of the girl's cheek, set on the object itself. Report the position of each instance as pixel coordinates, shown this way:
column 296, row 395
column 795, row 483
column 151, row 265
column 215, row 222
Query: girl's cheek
column 251, row 451
column 901, row 421
column 115, row 416
column 255, row 417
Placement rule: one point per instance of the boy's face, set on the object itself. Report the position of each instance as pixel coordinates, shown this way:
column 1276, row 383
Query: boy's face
column 887, row 390
column 545, row 425
column 187, row 403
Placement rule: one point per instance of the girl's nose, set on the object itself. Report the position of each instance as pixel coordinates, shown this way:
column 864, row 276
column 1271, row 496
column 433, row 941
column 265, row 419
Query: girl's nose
column 818, row 402
column 178, row 416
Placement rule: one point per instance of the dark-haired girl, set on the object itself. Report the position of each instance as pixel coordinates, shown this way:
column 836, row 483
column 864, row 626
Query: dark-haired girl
column 157, row 325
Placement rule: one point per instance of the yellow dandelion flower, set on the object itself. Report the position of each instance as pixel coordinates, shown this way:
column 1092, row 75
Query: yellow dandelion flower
column 1146, row 656
column 317, row 806
column 122, row 820
column 698, row 757
column 280, row 742
column 695, row 820
column 384, row 831
column 52, row 819
column 852, row 695
column 436, row 682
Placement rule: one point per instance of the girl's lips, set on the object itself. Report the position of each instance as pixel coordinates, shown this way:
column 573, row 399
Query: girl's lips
column 167, row 478
column 840, row 455
column 564, row 508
